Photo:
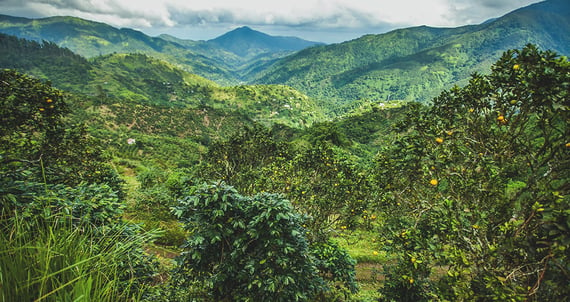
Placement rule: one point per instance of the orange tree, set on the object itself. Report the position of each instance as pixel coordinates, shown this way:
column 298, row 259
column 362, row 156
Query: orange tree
column 238, row 159
column 37, row 140
column 324, row 183
column 477, row 187
column 321, row 179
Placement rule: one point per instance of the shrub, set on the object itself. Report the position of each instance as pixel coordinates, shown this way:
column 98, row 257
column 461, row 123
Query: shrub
column 250, row 248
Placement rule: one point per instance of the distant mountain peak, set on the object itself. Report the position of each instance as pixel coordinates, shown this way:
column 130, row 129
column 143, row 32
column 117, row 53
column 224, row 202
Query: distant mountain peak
column 244, row 28
column 245, row 41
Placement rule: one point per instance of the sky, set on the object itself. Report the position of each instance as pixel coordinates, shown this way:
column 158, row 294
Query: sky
column 328, row 21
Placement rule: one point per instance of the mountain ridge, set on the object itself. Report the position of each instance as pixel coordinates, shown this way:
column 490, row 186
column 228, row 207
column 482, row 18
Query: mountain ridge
column 416, row 63
column 91, row 39
column 412, row 64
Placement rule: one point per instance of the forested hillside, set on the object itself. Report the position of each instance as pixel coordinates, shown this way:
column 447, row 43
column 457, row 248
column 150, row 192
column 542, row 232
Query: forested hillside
column 167, row 110
column 411, row 64
column 220, row 59
column 417, row 63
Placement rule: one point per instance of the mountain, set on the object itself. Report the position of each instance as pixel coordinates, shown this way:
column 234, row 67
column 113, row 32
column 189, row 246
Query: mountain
column 405, row 64
column 247, row 42
column 90, row 39
column 417, row 63
column 221, row 59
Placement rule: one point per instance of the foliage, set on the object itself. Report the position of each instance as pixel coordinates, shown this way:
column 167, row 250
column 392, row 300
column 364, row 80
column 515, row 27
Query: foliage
column 246, row 248
column 318, row 179
column 324, row 183
column 94, row 204
column 477, row 187
column 469, row 194
column 64, row 67
column 335, row 265
column 37, row 137
column 237, row 160
column 62, row 234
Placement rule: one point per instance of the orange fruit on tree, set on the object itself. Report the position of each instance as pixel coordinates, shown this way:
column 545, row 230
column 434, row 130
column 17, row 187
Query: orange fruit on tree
column 501, row 119
column 434, row 182
column 439, row 140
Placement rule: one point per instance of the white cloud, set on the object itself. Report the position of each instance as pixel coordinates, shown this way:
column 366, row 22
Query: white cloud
column 298, row 15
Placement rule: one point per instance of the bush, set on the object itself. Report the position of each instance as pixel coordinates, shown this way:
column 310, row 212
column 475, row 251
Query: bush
column 249, row 248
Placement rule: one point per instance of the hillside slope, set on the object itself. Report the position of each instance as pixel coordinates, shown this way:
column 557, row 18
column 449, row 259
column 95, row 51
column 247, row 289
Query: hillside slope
column 171, row 113
column 417, row 63
column 220, row 59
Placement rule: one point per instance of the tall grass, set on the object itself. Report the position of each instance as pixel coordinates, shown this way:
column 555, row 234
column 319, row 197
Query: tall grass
column 55, row 260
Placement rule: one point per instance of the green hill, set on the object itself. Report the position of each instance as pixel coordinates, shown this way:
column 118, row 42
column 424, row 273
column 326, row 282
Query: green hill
column 220, row 59
column 90, row 39
column 412, row 64
column 171, row 112
column 417, row 63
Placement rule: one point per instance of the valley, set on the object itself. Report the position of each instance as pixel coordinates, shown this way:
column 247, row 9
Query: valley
column 419, row 164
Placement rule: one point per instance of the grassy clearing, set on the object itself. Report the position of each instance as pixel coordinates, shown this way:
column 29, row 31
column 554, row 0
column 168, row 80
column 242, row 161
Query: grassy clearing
column 363, row 246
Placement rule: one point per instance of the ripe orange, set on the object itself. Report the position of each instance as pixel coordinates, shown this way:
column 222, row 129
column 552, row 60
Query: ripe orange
column 439, row 140
column 434, row 182
column 516, row 67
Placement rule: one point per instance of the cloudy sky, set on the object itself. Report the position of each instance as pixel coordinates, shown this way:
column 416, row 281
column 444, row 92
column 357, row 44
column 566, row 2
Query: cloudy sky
column 318, row 20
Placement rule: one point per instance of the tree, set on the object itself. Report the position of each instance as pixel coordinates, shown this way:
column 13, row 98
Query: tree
column 37, row 138
column 478, row 187
column 61, row 207
column 325, row 184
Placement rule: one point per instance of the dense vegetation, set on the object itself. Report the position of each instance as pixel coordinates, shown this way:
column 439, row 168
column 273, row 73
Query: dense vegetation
column 480, row 188
column 467, row 199
column 63, row 236
column 125, row 178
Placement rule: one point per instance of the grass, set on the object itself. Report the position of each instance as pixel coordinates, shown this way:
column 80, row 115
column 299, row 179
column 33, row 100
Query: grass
column 53, row 260
column 362, row 245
